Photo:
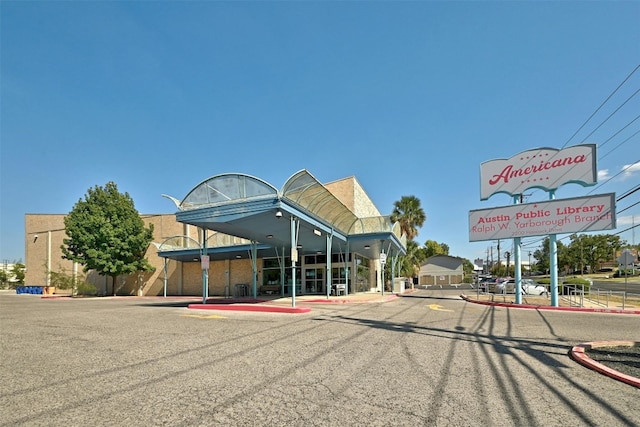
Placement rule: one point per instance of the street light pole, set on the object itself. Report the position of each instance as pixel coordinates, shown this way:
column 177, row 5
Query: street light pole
column 529, row 263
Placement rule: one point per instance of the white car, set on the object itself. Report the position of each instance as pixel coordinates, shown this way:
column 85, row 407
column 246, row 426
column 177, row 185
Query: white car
column 529, row 287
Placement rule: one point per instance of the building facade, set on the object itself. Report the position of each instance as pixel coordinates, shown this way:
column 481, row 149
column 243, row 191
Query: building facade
column 237, row 235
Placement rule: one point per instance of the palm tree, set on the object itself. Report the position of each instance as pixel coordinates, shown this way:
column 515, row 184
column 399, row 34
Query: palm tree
column 408, row 212
column 410, row 266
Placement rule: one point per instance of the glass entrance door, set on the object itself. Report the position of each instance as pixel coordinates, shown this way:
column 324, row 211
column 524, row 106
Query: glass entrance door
column 313, row 280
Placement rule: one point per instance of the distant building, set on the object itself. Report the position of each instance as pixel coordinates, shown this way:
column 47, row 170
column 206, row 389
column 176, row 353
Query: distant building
column 441, row 270
column 7, row 267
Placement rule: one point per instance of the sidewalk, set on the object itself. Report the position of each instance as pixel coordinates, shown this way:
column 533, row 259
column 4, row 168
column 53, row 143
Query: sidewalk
column 277, row 304
column 544, row 303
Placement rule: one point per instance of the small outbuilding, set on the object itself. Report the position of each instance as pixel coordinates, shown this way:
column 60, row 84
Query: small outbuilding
column 441, row 270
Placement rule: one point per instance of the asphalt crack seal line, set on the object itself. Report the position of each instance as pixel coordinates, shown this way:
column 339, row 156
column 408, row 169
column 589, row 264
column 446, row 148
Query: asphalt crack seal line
column 578, row 353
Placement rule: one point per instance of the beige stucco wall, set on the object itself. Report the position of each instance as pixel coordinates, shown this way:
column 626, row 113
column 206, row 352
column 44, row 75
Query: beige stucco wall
column 352, row 195
column 49, row 230
column 182, row 278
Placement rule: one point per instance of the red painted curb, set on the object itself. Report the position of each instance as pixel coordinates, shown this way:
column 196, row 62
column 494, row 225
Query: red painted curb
column 546, row 307
column 348, row 301
column 242, row 307
column 579, row 354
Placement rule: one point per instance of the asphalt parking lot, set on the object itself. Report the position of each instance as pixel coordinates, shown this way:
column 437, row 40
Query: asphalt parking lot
column 428, row 358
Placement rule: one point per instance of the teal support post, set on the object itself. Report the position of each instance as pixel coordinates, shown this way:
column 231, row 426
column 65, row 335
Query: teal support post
column 254, row 267
column 294, row 258
column 165, row 277
column 553, row 262
column 282, row 271
column 205, row 271
column 328, row 278
column 516, row 260
column 518, row 269
column 383, row 262
column 346, row 271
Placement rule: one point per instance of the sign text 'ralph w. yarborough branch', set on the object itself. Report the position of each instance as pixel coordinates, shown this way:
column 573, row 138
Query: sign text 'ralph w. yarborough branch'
column 576, row 215
column 545, row 168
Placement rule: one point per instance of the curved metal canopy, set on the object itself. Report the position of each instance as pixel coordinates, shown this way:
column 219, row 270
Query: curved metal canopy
column 241, row 205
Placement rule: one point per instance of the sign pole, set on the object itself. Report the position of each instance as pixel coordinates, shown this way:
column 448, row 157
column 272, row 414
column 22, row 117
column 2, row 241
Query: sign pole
column 553, row 261
column 383, row 262
column 516, row 260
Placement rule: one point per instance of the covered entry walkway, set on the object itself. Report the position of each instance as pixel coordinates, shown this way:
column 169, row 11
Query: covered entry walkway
column 304, row 227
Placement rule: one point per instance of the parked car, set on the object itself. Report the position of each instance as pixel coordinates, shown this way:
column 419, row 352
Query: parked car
column 529, row 287
column 493, row 285
column 482, row 283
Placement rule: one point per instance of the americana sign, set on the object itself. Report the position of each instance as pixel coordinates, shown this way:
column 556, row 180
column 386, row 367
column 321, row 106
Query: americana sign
column 546, row 168
column 575, row 215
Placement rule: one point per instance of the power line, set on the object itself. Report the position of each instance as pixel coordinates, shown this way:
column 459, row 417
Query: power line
column 628, row 207
column 623, row 231
column 616, row 134
column 618, row 146
column 601, row 105
column 610, row 115
column 610, row 178
column 628, row 193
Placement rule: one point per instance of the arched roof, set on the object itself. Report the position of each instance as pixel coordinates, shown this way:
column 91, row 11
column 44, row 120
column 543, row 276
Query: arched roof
column 224, row 188
column 307, row 192
column 302, row 189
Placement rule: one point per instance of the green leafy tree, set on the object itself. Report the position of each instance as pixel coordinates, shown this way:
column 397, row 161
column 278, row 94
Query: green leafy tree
column 4, row 278
column 409, row 214
column 467, row 267
column 18, row 272
column 591, row 250
column 542, row 254
column 410, row 263
column 434, row 248
column 106, row 234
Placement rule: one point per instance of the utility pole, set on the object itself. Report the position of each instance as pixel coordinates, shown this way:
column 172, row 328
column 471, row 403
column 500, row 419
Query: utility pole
column 487, row 269
column 508, row 255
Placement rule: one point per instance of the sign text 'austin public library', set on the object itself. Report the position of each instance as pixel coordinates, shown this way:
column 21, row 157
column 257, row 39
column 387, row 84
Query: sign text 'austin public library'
column 576, row 215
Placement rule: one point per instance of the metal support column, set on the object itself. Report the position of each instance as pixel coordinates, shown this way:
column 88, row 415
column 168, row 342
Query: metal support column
column 329, row 249
column 516, row 260
column 254, row 268
column 165, row 277
column 553, row 262
column 205, row 271
column 294, row 258
column 346, row 271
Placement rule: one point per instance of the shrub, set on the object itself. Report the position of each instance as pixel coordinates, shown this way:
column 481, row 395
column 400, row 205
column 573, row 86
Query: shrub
column 564, row 290
column 84, row 288
column 63, row 280
column 629, row 272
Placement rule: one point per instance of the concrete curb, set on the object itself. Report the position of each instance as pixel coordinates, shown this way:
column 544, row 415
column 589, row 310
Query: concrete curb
column 546, row 307
column 578, row 353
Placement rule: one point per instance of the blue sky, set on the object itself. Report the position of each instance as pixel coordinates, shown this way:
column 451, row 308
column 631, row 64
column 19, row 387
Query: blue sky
column 409, row 97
